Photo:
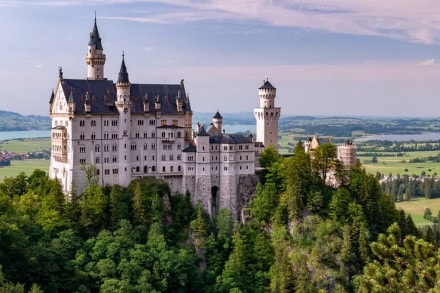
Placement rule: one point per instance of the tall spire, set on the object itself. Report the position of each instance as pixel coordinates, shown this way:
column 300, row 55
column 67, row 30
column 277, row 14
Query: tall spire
column 95, row 57
column 95, row 39
column 123, row 74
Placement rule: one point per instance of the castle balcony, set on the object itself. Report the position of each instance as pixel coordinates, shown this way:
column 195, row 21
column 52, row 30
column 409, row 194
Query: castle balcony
column 60, row 158
column 168, row 140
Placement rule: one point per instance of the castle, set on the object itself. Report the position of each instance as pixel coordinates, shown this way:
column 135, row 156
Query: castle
column 128, row 131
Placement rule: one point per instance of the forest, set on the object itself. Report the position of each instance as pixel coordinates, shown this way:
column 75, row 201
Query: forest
column 301, row 235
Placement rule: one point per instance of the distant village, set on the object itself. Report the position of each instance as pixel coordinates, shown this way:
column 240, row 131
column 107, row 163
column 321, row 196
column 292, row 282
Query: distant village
column 6, row 156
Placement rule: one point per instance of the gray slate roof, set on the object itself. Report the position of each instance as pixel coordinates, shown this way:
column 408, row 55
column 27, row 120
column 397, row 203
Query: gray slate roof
column 102, row 95
column 267, row 85
column 123, row 74
column 95, row 39
column 234, row 138
column 217, row 115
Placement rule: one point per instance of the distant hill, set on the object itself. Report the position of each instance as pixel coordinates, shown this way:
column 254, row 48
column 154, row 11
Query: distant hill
column 11, row 121
column 228, row 118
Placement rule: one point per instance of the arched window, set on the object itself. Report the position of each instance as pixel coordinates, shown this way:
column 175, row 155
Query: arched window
column 164, row 158
column 179, row 134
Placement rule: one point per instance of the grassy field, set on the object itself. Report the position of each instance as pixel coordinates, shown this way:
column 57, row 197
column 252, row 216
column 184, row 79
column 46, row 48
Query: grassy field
column 393, row 164
column 25, row 145
column 26, row 166
column 416, row 208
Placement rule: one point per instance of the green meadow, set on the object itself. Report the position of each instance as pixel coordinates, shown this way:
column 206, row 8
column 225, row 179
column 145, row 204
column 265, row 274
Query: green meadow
column 416, row 208
column 26, row 166
column 393, row 164
column 23, row 146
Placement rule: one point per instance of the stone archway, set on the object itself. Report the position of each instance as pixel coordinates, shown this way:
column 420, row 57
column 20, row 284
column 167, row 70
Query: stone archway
column 214, row 200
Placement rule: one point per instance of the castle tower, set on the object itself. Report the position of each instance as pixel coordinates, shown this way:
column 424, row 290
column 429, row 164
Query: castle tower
column 217, row 121
column 267, row 116
column 346, row 153
column 203, row 173
column 95, row 58
column 123, row 104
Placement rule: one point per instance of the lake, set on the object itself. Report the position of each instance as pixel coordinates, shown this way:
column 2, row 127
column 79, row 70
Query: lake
column 401, row 137
column 8, row 135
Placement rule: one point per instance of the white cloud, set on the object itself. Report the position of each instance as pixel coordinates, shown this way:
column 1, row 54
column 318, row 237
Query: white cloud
column 414, row 21
column 38, row 66
column 427, row 62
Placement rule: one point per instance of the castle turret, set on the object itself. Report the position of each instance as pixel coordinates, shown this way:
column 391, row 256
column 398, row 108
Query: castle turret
column 95, row 57
column 217, row 121
column 267, row 116
column 123, row 104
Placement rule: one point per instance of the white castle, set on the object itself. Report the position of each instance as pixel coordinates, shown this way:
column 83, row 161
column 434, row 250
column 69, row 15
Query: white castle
column 128, row 131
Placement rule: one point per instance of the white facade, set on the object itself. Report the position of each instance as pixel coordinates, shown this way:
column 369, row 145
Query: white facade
column 127, row 131
column 267, row 116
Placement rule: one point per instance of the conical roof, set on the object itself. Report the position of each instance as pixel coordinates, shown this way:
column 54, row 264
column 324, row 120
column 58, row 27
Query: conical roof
column 123, row 74
column 217, row 116
column 267, row 85
column 95, row 39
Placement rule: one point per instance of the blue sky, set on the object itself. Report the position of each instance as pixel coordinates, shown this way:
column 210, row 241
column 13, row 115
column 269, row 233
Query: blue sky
column 333, row 57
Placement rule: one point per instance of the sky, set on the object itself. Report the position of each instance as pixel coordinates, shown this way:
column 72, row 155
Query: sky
column 326, row 58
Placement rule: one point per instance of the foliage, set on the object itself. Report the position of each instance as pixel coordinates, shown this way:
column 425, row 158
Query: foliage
column 403, row 264
column 302, row 236
column 268, row 157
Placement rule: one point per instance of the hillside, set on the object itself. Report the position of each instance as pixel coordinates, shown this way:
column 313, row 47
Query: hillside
column 11, row 121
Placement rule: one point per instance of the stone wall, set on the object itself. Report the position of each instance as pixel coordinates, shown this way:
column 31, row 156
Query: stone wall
column 246, row 187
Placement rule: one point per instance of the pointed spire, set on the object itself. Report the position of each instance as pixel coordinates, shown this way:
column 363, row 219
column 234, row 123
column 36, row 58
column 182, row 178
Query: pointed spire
column 95, row 39
column 71, row 96
column 52, row 96
column 267, row 85
column 217, row 115
column 123, row 74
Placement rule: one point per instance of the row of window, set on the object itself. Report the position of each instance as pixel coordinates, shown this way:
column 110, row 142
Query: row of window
column 115, row 159
column 82, row 135
column 171, row 157
column 58, row 135
column 114, row 122
column 136, row 169
column 225, row 168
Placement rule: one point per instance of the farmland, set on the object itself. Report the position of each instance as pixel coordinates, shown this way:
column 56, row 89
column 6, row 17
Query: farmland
column 416, row 209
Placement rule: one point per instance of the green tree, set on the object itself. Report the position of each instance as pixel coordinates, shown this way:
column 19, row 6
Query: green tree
column 268, row 157
column 324, row 159
column 264, row 202
column 299, row 179
column 401, row 265
column 90, row 173
column 93, row 209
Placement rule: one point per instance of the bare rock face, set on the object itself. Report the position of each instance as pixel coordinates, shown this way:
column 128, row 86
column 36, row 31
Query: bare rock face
column 246, row 187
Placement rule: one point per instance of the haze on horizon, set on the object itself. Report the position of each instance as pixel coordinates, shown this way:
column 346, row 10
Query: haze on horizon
column 334, row 57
